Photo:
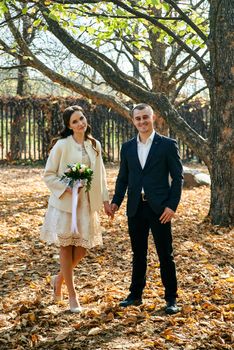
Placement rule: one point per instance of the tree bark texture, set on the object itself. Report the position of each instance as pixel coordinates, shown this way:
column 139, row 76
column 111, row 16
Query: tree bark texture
column 17, row 134
column 222, row 111
column 22, row 89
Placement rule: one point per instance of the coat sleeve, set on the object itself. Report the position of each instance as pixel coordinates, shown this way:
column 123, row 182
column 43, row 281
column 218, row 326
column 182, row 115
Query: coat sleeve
column 105, row 193
column 122, row 179
column 176, row 173
column 51, row 177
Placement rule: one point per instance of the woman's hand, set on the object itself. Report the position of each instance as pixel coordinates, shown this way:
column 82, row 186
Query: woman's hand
column 69, row 189
column 79, row 189
column 114, row 208
column 107, row 208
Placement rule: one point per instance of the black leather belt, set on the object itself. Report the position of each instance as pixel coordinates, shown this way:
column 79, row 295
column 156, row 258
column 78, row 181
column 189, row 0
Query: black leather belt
column 143, row 197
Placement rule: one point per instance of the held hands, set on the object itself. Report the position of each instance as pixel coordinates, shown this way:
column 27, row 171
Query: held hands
column 107, row 209
column 167, row 215
column 110, row 209
column 114, row 208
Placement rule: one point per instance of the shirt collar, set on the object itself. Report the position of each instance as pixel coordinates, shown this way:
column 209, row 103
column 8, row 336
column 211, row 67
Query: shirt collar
column 150, row 138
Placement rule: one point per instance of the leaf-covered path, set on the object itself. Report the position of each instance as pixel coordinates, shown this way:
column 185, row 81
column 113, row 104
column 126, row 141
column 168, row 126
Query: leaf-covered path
column 29, row 319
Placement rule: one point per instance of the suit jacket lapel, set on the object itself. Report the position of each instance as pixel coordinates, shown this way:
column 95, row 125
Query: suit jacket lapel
column 135, row 153
column 157, row 139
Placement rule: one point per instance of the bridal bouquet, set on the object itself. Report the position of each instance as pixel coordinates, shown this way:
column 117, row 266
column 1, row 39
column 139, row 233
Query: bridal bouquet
column 77, row 175
column 78, row 172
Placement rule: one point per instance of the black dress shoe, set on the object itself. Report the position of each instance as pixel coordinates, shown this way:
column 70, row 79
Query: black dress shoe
column 130, row 301
column 171, row 308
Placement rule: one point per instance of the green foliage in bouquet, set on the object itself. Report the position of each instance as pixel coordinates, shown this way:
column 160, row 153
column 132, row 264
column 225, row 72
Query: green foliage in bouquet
column 78, row 171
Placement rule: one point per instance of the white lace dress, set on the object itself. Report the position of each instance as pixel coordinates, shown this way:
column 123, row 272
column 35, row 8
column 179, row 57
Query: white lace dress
column 56, row 228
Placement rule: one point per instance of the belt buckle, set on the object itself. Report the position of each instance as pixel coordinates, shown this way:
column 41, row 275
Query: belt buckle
column 143, row 197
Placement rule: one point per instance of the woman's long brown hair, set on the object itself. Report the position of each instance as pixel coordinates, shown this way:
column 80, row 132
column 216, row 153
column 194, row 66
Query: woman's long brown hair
column 67, row 131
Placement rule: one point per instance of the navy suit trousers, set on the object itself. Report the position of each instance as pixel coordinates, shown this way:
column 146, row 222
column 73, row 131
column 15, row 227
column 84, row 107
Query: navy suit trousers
column 139, row 226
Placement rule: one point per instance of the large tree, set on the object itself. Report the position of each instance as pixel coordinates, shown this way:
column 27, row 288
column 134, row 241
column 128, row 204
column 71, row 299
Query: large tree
column 174, row 27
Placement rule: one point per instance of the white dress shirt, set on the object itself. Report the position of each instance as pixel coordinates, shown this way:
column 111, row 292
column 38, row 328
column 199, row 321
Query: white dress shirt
column 143, row 149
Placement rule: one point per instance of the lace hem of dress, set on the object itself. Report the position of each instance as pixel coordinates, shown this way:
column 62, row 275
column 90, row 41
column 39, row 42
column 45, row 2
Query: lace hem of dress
column 79, row 242
column 74, row 240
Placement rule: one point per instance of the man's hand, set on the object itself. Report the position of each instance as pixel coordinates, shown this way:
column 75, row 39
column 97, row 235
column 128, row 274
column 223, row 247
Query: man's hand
column 167, row 215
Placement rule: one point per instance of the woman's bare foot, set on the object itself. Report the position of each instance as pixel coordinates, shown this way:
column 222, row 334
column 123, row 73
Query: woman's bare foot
column 56, row 286
column 74, row 305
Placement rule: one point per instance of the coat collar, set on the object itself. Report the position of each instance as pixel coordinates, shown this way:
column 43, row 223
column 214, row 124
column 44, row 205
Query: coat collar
column 89, row 149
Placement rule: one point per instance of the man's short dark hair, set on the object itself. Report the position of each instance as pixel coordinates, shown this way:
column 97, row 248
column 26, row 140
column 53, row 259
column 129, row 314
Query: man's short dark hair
column 140, row 106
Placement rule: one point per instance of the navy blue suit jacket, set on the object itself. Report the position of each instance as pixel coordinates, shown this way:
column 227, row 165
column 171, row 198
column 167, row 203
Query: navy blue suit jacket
column 163, row 160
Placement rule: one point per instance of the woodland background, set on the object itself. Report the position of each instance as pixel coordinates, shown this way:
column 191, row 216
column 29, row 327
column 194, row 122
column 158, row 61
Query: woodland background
column 28, row 124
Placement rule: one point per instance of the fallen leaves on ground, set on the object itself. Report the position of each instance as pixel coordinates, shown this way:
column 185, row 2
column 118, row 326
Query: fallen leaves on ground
column 29, row 318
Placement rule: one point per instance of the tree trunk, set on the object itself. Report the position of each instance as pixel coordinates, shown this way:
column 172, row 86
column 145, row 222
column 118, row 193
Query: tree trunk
column 158, row 74
column 17, row 139
column 222, row 111
column 22, row 89
column 17, row 135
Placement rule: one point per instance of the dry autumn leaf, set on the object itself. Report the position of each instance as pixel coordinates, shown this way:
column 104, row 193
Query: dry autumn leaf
column 94, row 331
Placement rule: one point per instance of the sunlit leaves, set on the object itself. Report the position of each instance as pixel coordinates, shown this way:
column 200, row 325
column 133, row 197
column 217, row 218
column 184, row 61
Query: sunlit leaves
column 91, row 30
column 24, row 10
column 103, row 22
column 3, row 8
column 37, row 22
column 54, row 16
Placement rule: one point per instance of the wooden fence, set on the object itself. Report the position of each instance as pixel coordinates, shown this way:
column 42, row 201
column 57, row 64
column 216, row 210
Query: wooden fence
column 28, row 124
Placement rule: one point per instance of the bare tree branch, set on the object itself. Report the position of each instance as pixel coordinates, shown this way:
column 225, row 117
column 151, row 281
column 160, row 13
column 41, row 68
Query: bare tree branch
column 106, row 15
column 13, row 67
column 187, row 20
column 185, row 76
column 107, row 68
column 178, row 104
column 150, row 19
column 182, row 63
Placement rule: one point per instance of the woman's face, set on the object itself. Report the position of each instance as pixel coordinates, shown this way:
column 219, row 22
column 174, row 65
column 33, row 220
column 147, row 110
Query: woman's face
column 78, row 123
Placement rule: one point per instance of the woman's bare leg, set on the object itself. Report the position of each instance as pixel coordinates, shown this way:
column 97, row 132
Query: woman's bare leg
column 67, row 272
column 78, row 253
column 69, row 258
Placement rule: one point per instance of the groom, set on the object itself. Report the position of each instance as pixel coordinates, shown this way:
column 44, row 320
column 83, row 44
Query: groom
column 146, row 163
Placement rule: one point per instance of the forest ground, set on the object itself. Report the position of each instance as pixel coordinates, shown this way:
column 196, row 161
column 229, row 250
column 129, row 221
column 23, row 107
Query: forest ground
column 30, row 319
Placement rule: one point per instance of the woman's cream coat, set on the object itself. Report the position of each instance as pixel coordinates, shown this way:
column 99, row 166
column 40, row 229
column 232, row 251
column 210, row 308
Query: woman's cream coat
column 59, row 157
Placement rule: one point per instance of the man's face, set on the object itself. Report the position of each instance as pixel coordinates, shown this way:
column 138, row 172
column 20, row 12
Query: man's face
column 144, row 120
